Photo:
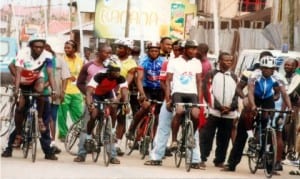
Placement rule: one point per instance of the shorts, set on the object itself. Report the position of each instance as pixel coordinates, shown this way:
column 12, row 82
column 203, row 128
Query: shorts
column 184, row 98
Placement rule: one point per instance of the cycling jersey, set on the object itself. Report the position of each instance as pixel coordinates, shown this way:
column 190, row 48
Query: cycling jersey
column 264, row 86
column 104, row 85
column 31, row 68
column 151, row 71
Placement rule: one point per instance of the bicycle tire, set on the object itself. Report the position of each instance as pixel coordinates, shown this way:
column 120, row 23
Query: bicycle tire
column 34, row 137
column 107, row 140
column 147, row 140
column 189, row 145
column 270, row 152
column 253, row 156
column 138, row 134
column 7, row 123
column 72, row 137
column 97, row 139
column 180, row 150
column 26, row 135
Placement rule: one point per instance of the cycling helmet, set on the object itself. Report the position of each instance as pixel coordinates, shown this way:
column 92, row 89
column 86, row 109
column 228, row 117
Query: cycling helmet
column 152, row 44
column 267, row 61
column 112, row 66
column 189, row 43
column 35, row 38
column 125, row 42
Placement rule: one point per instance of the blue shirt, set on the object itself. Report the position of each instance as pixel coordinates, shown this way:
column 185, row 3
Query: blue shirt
column 151, row 71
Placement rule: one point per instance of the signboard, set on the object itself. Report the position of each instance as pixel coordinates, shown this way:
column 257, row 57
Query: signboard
column 149, row 20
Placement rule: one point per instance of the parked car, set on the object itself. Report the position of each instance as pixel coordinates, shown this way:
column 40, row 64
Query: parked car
column 248, row 57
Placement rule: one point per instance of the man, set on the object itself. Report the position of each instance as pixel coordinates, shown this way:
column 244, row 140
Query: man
column 100, row 88
column 148, row 83
column 165, row 47
column 87, row 72
column 186, row 86
column 29, row 78
column 128, row 71
column 87, row 54
column 222, row 109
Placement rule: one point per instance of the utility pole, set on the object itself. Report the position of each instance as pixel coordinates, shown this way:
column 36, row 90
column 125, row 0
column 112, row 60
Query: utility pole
column 48, row 14
column 285, row 22
column 291, row 23
column 8, row 33
column 71, row 17
column 127, row 24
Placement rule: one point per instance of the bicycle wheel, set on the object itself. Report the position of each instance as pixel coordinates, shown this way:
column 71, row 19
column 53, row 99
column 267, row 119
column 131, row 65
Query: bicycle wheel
column 72, row 138
column 97, row 139
column 270, row 152
column 7, row 121
column 34, row 136
column 147, row 140
column 179, row 153
column 138, row 134
column 189, row 145
column 26, row 135
column 107, row 140
column 253, row 155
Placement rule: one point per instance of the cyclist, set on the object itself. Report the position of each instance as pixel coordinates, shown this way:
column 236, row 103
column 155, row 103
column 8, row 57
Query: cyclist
column 185, row 75
column 148, row 83
column 263, row 85
column 100, row 88
column 29, row 77
column 128, row 71
column 87, row 72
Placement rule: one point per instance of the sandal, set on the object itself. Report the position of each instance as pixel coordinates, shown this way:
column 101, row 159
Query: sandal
column 42, row 126
column 18, row 141
column 114, row 161
column 294, row 172
column 153, row 162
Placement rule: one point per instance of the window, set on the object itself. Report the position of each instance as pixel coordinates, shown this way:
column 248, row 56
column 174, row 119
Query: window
column 251, row 5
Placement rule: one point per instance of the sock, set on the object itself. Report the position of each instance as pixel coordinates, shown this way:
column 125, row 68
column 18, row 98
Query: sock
column 88, row 136
column 52, row 143
column 250, row 133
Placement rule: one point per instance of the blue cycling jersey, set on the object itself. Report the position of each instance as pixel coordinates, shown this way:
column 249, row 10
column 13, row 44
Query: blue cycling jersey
column 151, row 71
column 264, row 86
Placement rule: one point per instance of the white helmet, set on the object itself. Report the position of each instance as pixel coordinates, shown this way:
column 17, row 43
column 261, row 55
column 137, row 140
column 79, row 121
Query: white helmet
column 36, row 37
column 268, row 61
column 125, row 42
column 152, row 44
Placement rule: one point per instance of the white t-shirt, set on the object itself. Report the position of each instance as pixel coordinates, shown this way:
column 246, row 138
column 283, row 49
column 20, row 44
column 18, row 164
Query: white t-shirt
column 184, row 74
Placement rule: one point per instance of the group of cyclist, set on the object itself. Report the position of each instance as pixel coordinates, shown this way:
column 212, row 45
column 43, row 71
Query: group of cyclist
column 171, row 72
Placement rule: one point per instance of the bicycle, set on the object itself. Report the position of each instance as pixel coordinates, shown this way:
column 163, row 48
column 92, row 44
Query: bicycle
column 145, row 131
column 30, row 126
column 72, row 137
column 262, row 149
column 186, row 141
column 7, row 110
column 104, row 131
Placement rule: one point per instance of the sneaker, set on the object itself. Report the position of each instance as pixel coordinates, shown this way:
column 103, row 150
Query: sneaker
column 114, row 161
column 228, row 168
column 168, row 152
column 219, row 165
column 50, row 157
column 130, row 135
column 79, row 159
column 55, row 150
column 119, row 151
column 278, row 166
column 252, row 144
column 174, row 145
column 6, row 153
column 89, row 145
column 18, row 141
column 202, row 164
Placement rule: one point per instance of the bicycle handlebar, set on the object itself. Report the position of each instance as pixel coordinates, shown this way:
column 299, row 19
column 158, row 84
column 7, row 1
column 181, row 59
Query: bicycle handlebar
column 191, row 105
column 154, row 101
column 106, row 101
column 273, row 110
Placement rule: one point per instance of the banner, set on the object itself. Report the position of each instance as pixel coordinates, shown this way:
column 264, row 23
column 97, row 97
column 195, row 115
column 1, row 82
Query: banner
column 149, row 20
column 177, row 20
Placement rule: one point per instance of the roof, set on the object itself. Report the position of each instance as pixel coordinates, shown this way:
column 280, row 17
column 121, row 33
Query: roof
column 261, row 15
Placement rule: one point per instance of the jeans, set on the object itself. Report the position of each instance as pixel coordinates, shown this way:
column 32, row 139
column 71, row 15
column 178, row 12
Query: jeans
column 162, row 133
column 162, row 136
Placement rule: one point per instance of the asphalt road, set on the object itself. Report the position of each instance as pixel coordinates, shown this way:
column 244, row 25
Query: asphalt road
column 130, row 167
